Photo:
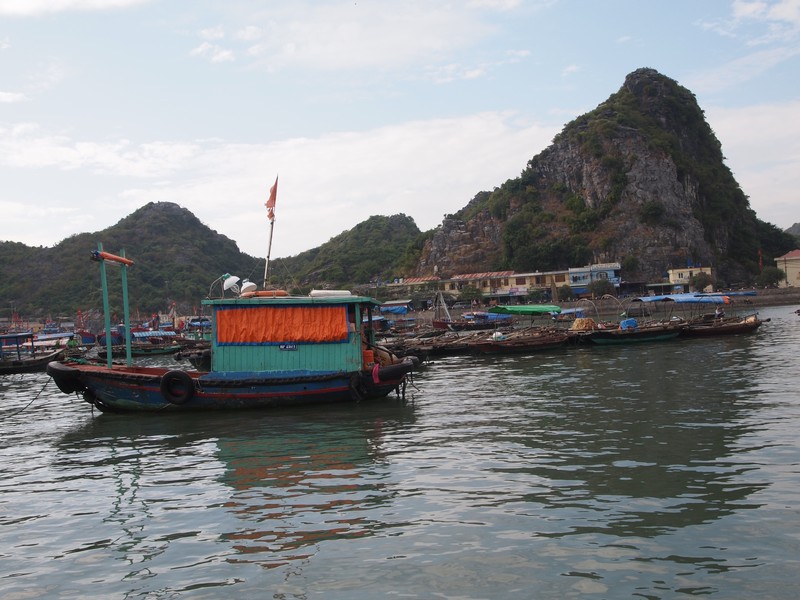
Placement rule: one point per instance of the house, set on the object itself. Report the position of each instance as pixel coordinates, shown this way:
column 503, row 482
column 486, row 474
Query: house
column 681, row 278
column 498, row 287
column 580, row 278
column 790, row 264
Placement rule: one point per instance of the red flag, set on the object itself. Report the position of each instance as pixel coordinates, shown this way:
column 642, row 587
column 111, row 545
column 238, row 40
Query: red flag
column 273, row 192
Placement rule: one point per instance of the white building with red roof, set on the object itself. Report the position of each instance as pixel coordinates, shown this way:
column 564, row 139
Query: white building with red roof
column 790, row 264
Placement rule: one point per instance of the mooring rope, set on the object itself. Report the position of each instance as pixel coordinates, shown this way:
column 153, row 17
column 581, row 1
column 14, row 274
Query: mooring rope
column 31, row 402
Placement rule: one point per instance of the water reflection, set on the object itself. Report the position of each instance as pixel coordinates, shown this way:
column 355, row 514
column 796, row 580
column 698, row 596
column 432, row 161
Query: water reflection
column 624, row 442
column 290, row 479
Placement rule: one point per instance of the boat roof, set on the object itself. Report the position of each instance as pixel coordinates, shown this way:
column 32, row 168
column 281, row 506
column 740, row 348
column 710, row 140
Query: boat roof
column 687, row 298
column 24, row 335
column 157, row 333
column 292, row 300
column 573, row 311
column 55, row 336
column 526, row 309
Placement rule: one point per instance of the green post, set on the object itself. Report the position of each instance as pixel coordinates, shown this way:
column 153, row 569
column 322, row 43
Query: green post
column 123, row 263
column 126, row 311
column 106, row 309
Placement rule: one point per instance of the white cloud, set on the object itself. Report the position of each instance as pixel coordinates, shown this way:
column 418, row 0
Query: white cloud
column 213, row 52
column 782, row 11
column 212, row 33
column 758, row 22
column 740, row 70
column 495, row 4
column 26, row 146
column 762, row 148
column 348, row 36
column 249, row 33
column 328, row 184
column 12, row 97
column 34, row 8
column 569, row 70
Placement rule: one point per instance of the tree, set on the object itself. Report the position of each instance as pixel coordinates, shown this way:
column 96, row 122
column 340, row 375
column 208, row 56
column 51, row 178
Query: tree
column 770, row 276
column 565, row 293
column 601, row 287
column 470, row 293
column 701, row 281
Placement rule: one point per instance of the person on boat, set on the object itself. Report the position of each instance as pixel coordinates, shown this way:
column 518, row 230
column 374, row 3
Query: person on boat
column 719, row 313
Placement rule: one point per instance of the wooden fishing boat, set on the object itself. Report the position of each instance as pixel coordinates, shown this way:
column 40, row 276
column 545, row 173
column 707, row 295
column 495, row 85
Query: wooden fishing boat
column 143, row 350
column 16, row 356
column 199, row 358
column 630, row 332
column 468, row 321
column 708, row 326
column 266, row 351
column 474, row 321
column 522, row 342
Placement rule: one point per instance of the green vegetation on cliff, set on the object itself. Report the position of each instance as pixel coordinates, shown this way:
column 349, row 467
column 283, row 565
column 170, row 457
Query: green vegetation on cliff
column 177, row 258
column 378, row 249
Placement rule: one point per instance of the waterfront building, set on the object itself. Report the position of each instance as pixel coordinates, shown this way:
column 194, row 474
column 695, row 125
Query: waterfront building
column 790, row 264
column 580, row 278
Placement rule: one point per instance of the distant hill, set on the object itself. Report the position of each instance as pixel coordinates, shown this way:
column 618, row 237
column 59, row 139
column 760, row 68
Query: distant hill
column 794, row 230
column 639, row 180
column 375, row 250
column 177, row 258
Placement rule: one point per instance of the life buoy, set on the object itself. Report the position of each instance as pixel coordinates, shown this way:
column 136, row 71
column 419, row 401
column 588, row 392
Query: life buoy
column 177, row 387
column 265, row 294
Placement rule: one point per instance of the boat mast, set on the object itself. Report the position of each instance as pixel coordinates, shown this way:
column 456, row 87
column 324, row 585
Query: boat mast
column 269, row 250
column 270, row 204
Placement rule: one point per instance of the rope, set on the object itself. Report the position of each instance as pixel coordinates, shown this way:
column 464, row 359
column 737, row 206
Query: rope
column 14, row 414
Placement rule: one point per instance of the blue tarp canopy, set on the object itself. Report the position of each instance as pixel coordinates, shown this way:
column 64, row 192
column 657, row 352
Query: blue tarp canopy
column 578, row 312
column 149, row 334
column 485, row 316
column 395, row 310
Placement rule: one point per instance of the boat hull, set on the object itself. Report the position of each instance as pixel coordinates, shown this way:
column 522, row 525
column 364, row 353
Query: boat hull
column 151, row 389
column 710, row 329
column 37, row 364
column 522, row 345
column 631, row 336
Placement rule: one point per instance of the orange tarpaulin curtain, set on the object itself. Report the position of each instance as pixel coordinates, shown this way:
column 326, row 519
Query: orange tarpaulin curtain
column 276, row 324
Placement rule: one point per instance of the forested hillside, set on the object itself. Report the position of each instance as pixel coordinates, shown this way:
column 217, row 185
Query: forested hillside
column 177, row 258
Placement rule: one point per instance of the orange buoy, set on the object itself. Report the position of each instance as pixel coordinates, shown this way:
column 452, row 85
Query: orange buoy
column 265, row 294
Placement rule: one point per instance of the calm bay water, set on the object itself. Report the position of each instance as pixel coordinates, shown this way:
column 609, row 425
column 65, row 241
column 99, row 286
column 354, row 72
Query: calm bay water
column 651, row 471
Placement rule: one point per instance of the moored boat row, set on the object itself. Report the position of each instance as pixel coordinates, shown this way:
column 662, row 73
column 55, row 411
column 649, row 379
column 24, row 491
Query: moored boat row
column 583, row 330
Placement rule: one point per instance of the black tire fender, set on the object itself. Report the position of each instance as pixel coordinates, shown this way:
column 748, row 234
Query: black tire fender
column 177, row 387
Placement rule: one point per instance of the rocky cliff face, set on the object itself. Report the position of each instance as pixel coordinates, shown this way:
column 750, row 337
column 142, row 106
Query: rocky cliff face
column 460, row 246
column 639, row 180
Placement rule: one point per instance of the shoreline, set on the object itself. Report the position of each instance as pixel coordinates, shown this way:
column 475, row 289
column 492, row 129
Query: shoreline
column 613, row 306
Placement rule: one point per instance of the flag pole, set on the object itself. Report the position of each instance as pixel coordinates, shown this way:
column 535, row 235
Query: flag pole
column 269, row 250
column 270, row 204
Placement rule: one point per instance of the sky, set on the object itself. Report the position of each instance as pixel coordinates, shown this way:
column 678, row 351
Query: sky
column 359, row 107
